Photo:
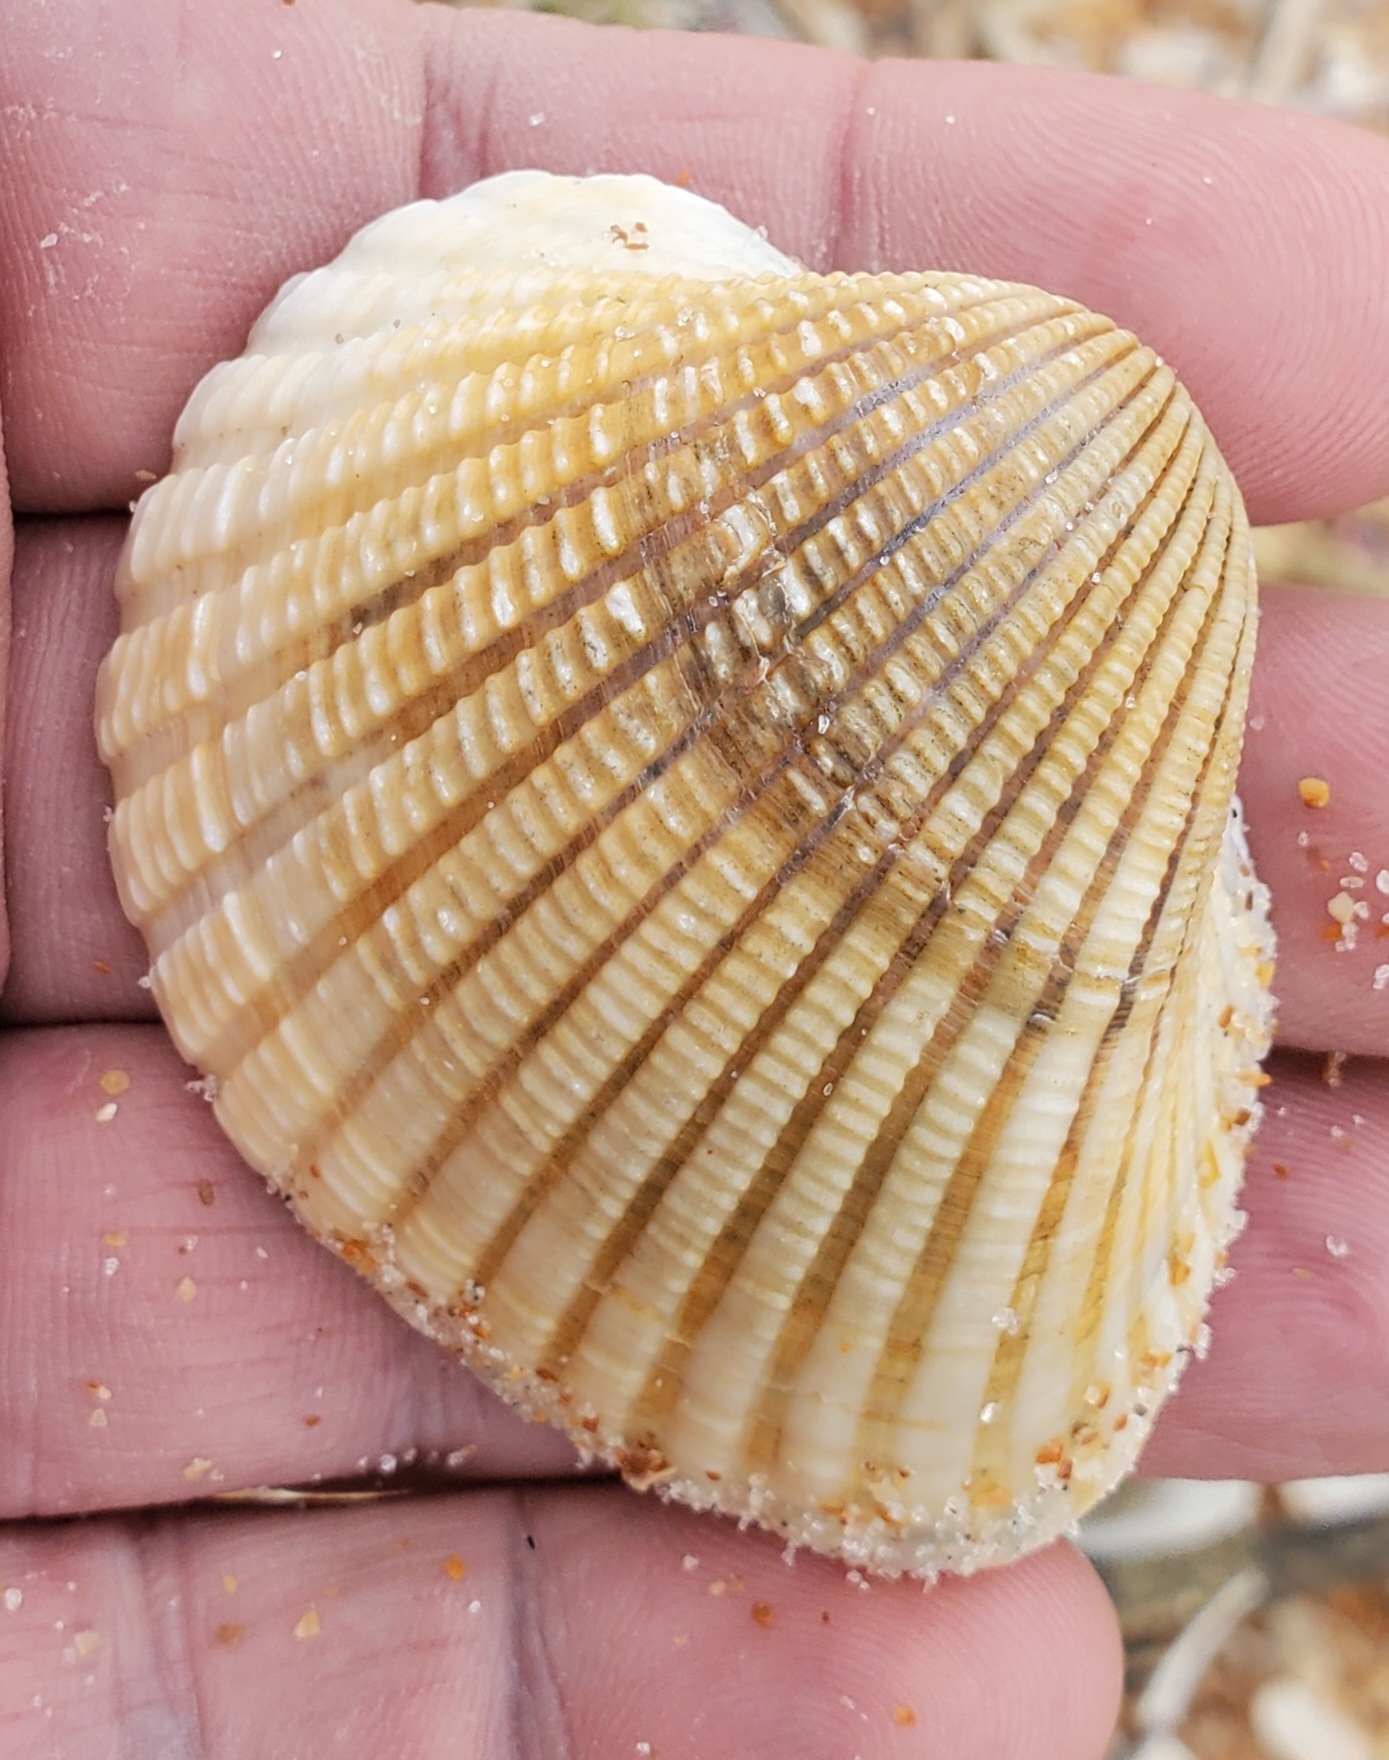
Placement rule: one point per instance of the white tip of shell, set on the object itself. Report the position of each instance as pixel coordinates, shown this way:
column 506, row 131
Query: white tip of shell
column 511, row 228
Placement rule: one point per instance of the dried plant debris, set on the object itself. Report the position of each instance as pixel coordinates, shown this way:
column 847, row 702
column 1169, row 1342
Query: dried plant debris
column 1254, row 1637
column 1305, row 1677
column 1330, row 57
column 1350, row 552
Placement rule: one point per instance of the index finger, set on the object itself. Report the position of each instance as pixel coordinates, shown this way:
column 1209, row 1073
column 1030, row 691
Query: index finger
column 142, row 230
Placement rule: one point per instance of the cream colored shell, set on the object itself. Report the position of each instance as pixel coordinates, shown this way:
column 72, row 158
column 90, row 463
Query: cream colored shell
column 687, row 806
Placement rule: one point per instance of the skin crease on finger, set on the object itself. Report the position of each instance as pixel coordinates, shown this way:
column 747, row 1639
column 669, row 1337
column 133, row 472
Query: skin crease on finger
column 154, row 200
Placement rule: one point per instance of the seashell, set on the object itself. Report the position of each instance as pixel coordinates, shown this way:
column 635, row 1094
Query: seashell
column 688, row 807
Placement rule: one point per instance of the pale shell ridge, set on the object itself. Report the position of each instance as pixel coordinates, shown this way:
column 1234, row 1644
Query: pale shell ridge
column 692, row 822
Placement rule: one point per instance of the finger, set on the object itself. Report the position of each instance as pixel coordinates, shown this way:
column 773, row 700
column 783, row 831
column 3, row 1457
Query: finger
column 77, row 958
column 162, row 177
column 1233, row 279
column 1314, row 713
column 590, row 1624
column 276, row 1364
column 167, row 1330
column 6, row 562
column 1318, row 715
column 1297, row 1380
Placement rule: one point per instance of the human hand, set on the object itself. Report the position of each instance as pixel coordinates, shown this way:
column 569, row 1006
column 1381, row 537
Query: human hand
column 167, row 1331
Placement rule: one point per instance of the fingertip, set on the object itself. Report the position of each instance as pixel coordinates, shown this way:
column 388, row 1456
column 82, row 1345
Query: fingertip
column 675, row 1624
column 1299, row 1359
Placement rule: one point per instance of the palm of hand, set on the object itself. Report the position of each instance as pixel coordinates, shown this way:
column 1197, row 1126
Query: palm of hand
column 168, row 1332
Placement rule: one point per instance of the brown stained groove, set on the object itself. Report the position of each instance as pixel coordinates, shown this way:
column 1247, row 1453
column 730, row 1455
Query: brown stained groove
column 1139, row 1320
column 1034, row 1266
column 750, row 1207
column 905, row 1336
column 823, row 1272
column 892, row 1375
column 902, row 1349
column 1088, row 1317
column 553, row 1167
column 391, row 1043
column 1092, row 1303
column 299, row 973
column 992, row 1441
column 1011, row 1351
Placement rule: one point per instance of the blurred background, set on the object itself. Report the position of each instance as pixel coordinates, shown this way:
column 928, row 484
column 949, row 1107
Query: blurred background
column 1328, row 56
column 1256, row 1618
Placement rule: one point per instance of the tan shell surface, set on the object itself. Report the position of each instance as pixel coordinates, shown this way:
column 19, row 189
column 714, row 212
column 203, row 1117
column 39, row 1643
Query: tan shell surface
column 687, row 806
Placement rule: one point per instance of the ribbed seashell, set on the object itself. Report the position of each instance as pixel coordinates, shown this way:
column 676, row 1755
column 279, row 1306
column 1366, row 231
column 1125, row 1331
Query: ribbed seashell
column 687, row 806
